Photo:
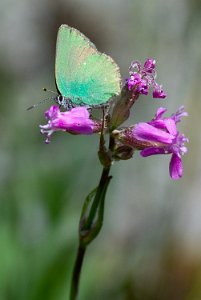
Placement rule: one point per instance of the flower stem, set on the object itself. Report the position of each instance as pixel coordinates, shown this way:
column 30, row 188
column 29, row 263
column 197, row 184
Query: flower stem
column 103, row 180
column 77, row 271
column 98, row 203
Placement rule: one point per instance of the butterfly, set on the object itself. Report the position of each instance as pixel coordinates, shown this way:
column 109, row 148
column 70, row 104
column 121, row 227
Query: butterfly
column 83, row 75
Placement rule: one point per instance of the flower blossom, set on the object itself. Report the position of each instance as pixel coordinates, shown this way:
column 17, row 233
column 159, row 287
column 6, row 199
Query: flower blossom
column 75, row 121
column 159, row 136
column 142, row 78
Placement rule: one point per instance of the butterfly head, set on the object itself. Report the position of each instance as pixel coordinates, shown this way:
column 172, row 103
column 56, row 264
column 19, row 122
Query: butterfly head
column 64, row 102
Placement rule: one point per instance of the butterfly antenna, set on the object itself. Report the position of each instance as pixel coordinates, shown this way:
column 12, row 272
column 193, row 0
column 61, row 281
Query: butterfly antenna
column 47, row 90
column 39, row 103
column 44, row 100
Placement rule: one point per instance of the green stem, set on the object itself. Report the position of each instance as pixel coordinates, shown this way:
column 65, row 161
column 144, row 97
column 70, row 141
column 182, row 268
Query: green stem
column 91, row 234
column 94, row 207
column 77, row 271
column 102, row 183
column 102, row 188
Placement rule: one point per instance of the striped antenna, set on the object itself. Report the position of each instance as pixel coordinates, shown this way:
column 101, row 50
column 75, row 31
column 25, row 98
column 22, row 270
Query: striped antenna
column 39, row 103
column 44, row 100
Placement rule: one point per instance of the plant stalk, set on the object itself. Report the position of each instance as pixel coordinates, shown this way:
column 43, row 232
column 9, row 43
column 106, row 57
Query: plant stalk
column 82, row 247
column 77, row 271
column 102, row 187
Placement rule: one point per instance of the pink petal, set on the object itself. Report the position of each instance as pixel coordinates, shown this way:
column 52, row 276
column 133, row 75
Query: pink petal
column 175, row 167
column 152, row 151
column 52, row 112
column 160, row 111
column 170, row 126
column 146, row 132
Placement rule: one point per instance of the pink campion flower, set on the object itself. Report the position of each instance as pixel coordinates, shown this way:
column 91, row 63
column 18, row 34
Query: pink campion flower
column 158, row 92
column 75, row 121
column 159, row 136
column 149, row 65
column 142, row 78
column 134, row 79
column 143, row 87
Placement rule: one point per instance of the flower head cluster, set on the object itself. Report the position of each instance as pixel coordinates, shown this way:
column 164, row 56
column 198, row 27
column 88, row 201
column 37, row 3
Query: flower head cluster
column 75, row 121
column 142, row 78
column 158, row 136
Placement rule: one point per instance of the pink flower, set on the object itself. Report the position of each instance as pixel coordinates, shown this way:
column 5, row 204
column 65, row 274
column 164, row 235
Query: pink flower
column 149, row 65
column 142, row 78
column 158, row 92
column 159, row 136
column 75, row 121
column 133, row 80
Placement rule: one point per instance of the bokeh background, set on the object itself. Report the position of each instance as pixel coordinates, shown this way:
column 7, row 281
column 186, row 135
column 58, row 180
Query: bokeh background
column 150, row 244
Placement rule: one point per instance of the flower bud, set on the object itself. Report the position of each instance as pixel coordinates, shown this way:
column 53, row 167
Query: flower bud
column 123, row 152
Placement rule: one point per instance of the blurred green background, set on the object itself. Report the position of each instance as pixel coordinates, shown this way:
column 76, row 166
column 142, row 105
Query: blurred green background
column 150, row 244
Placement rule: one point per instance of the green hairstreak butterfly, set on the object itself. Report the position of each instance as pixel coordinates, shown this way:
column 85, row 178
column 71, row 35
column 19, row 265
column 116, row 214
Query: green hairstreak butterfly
column 84, row 76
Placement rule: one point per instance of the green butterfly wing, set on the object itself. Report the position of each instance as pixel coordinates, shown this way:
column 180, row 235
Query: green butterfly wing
column 82, row 73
